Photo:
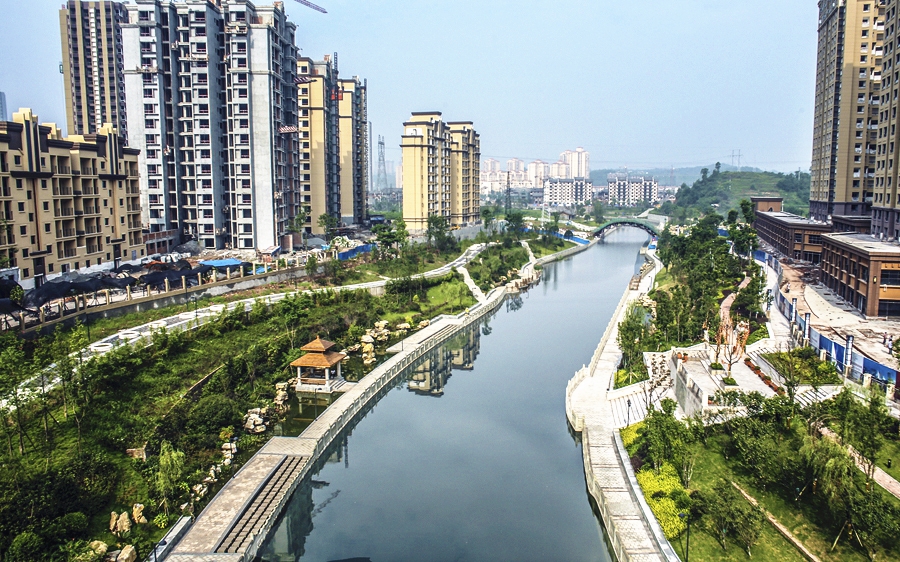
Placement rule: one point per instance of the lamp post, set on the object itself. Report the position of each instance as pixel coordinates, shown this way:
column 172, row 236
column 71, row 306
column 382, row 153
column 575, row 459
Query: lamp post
column 628, row 415
column 687, row 550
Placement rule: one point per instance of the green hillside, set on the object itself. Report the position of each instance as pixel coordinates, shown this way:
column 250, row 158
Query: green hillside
column 664, row 176
column 722, row 191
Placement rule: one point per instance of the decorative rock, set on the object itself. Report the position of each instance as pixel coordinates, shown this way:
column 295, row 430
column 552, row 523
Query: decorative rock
column 381, row 324
column 111, row 556
column 123, row 525
column 227, row 462
column 368, row 348
column 98, row 547
column 281, row 386
column 367, row 339
column 128, row 554
column 424, row 324
column 403, row 326
column 113, row 517
column 137, row 513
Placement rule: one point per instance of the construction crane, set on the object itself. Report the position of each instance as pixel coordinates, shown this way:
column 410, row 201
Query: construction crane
column 313, row 6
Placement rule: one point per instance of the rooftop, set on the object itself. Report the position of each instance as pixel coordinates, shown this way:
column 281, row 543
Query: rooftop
column 865, row 242
column 794, row 220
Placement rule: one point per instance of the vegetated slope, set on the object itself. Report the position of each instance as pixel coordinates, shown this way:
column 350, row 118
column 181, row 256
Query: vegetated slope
column 722, row 191
column 682, row 175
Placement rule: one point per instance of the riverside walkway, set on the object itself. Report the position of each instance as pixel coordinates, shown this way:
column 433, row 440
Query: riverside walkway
column 633, row 531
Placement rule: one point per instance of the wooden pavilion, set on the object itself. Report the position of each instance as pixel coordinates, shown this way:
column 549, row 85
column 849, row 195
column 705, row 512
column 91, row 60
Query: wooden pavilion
column 317, row 366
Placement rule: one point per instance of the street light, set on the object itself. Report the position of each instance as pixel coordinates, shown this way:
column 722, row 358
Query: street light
column 628, row 418
column 687, row 550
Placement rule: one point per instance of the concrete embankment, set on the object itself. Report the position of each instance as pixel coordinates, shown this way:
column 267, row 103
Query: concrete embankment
column 633, row 531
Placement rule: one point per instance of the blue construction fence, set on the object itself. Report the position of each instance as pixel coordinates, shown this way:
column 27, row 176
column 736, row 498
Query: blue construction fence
column 353, row 252
column 835, row 351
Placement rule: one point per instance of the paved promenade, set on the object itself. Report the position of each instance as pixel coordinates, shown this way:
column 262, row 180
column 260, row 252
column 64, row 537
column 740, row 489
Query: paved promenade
column 633, row 531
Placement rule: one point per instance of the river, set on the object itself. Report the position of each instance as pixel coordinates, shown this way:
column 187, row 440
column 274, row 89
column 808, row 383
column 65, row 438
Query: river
column 469, row 456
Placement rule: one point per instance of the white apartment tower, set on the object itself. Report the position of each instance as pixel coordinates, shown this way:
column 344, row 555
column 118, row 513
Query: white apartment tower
column 579, row 161
column 212, row 99
column 629, row 190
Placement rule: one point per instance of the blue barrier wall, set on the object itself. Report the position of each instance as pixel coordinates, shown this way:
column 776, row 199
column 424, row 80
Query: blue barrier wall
column 352, row 253
column 834, row 351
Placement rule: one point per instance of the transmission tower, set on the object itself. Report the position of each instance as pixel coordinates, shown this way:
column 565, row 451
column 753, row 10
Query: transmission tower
column 381, row 183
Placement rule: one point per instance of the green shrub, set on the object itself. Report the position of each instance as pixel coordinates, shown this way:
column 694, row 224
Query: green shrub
column 659, row 490
column 26, row 547
column 716, row 366
column 729, row 381
column 630, row 434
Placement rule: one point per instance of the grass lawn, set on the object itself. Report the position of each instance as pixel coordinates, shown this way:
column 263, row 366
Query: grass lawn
column 712, row 465
column 664, row 280
column 890, row 451
column 541, row 250
column 441, row 299
column 624, row 378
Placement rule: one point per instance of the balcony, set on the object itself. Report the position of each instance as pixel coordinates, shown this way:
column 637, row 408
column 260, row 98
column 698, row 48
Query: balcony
column 67, row 253
column 65, row 232
column 62, row 191
column 66, row 212
column 91, row 211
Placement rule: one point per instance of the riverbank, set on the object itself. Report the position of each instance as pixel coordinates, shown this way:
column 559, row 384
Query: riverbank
column 633, row 531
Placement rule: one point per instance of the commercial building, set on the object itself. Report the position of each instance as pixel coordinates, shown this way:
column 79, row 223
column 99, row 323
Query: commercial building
column 770, row 204
column 791, row 235
column 627, row 190
column 435, row 178
column 212, row 95
column 354, row 146
column 846, row 111
column 93, row 65
column 567, row 192
column 68, row 202
column 863, row 271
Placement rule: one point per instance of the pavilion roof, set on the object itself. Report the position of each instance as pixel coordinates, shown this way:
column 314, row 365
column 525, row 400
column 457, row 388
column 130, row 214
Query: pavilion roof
column 319, row 360
column 318, row 345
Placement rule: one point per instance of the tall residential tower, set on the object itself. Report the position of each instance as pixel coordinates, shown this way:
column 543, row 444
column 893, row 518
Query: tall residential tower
column 845, row 122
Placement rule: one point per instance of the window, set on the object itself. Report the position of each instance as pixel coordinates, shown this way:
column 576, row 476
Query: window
column 890, row 277
column 17, row 160
column 247, row 214
column 815, row 239
column 21, row 207
column 798, row 237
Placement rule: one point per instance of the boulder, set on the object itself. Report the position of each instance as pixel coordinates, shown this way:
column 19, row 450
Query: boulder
column 128, row 554
column 137, row 513
column 367, row 339
column 403, row 326
column 368, row 348
column 123, row 525
column 281, row 386
column 111, row 556
column 113, row 517
column 98, row 547
column 424, row 324
column 381, row 324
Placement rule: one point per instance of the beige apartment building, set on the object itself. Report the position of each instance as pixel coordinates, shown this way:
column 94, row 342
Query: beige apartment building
column 432, row 149
column 354, row 149
column 465, row 174
column 846, row 112
column 93, row 65
column 319, row 118
column 67, row 202
column 885, row 208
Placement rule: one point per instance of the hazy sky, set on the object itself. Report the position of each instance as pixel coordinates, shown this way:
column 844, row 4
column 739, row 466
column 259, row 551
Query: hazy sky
column 644, row 84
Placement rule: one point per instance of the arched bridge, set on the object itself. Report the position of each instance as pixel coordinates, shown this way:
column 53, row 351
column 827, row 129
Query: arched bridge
column 625, row 221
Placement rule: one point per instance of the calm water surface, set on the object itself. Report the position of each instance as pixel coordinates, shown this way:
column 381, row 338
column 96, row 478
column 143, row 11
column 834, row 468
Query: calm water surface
column 469, row 456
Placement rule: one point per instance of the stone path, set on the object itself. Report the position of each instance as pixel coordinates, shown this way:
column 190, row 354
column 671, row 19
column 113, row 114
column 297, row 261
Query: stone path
column 475, row 289
column 785, row 532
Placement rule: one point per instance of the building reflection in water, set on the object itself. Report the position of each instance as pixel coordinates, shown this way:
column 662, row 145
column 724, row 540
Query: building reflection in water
column 459, row 353
column 427, row 376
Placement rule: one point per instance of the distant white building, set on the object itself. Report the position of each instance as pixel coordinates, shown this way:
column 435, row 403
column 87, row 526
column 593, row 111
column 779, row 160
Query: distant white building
column 579, row 161
column 560, row 169
column 628, row 190
column 567, row 192
column 537, row 172
column 4, row 116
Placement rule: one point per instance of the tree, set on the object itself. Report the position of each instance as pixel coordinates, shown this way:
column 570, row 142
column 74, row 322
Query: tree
column 748, row 522
column 328, row 223
column 487, row 217
column 597, row 212
column 299, row 223
column 632, row 330
column 437, row 233
column 312, row 266
column 869, row 425
column 168, row 476
column 515, row 223
column 748, row 211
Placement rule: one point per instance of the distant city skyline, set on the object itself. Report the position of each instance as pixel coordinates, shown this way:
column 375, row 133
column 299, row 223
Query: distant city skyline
column 715, row 77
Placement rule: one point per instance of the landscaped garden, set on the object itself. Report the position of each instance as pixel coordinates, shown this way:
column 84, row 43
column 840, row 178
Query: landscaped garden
column 777, row 455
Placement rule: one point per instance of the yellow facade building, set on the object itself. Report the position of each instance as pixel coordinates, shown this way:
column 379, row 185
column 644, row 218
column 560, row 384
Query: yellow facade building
column 66, row 203
column 845, row 121
column 440, row 171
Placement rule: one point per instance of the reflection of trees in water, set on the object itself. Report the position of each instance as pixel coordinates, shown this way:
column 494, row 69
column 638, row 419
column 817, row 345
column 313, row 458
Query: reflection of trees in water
column 287, row 540
column 514, row 303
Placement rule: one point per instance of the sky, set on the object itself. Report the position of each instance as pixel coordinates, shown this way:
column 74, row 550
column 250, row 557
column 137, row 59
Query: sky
column 645, row 84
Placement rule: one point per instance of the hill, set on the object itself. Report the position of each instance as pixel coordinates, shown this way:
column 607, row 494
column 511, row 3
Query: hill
column 686, row 175
column 723, row 191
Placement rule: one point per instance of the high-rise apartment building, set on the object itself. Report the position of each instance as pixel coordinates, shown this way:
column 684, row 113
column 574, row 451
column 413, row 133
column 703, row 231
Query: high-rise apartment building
column 845, row 120
column 319, row 131
column 561, row 169
column 440, row 167
column 630, row 189
column 579, row 162
column 354, row 147
column 92, row 65
column 465, row 166
column 537, row 171
column 567, row 192
column 3, row 114
column 68, row 202
column 212, row 96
